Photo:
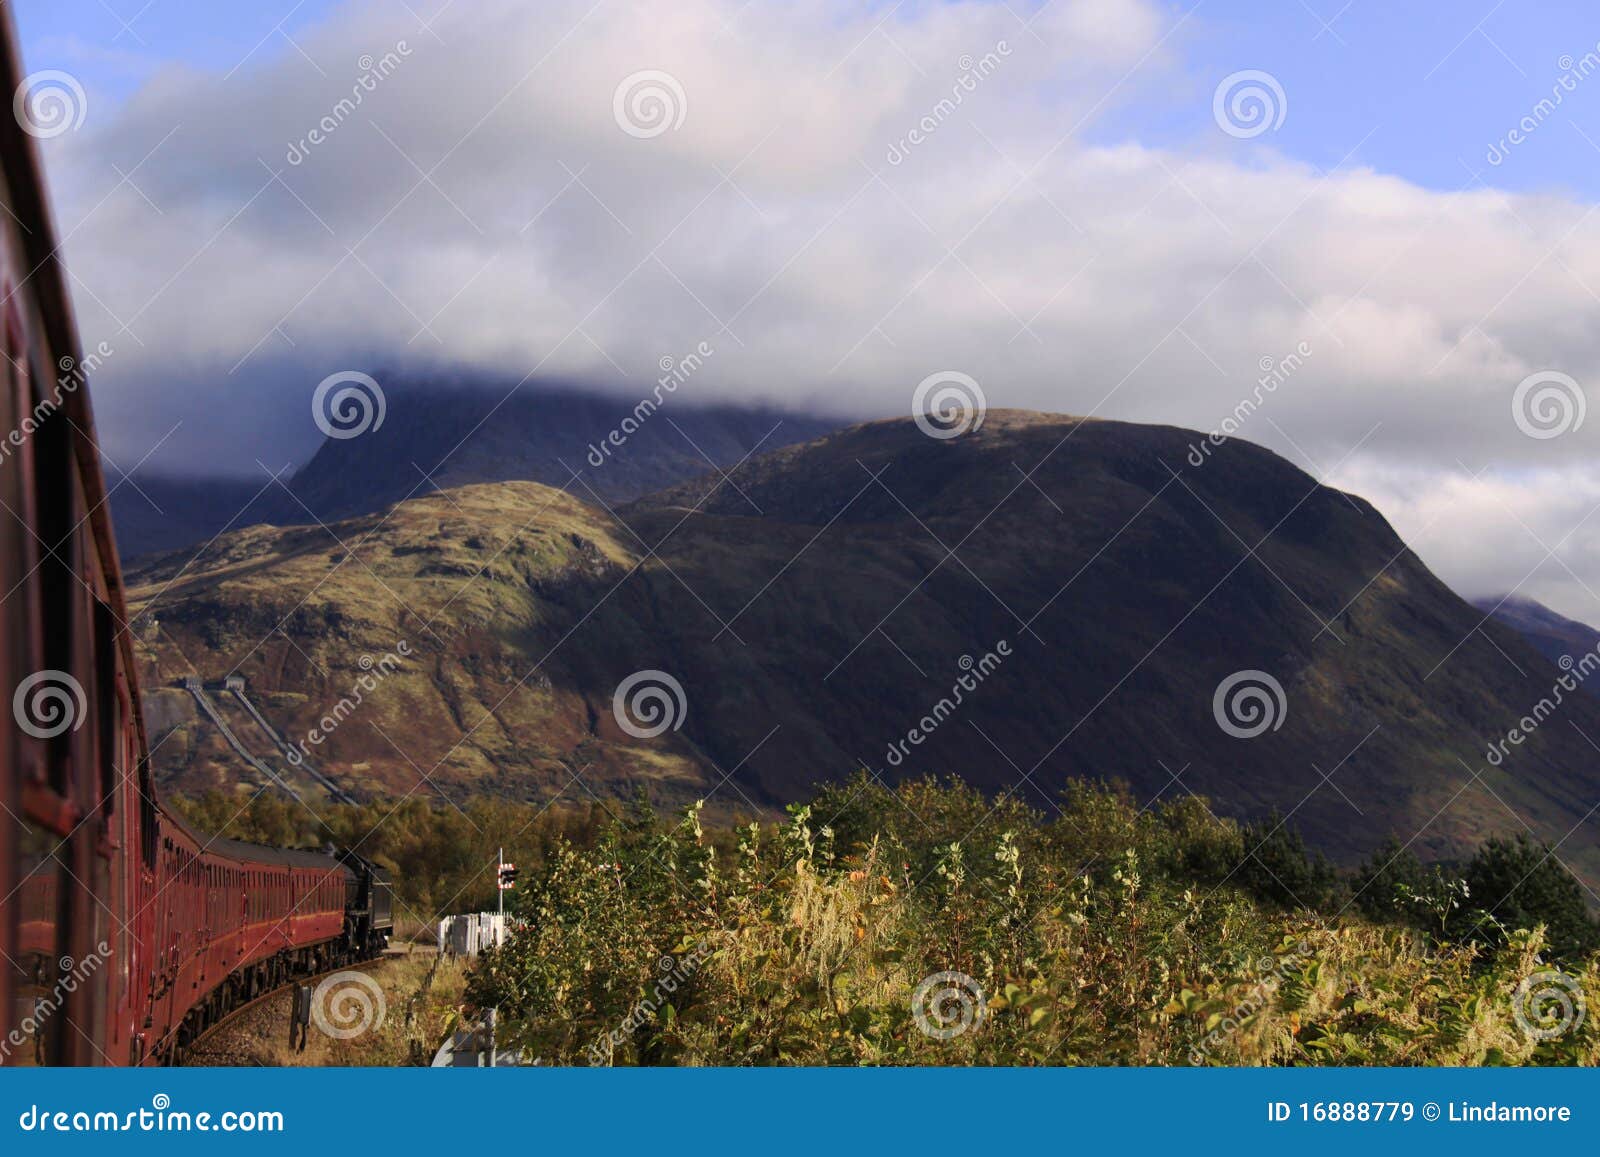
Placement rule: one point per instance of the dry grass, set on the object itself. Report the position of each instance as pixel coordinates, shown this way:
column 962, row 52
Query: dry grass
column 422, row 996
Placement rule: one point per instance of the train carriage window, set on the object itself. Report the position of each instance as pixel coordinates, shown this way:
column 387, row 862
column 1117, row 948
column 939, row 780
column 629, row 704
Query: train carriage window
column 60, row 591
column 108, row 715
column 37, row 991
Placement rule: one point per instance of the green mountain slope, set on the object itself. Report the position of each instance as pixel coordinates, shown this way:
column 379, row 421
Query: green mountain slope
column 819, row 606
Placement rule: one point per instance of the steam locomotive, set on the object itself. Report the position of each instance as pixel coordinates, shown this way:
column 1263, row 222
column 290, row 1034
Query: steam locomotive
column 124, row 934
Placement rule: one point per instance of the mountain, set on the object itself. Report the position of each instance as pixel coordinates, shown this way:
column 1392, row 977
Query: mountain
column 437, row 436
column 157, row 512
column 1554, row 636
column 623, row 447
column 1040, row 600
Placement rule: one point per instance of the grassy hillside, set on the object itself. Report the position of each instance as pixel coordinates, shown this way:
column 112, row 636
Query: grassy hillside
column 826, row 601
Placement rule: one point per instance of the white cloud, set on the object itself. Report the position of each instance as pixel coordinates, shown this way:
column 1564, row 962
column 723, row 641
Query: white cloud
column 1135, row 282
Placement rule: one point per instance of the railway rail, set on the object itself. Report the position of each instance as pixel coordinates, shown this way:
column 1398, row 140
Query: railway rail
column 232, row 1018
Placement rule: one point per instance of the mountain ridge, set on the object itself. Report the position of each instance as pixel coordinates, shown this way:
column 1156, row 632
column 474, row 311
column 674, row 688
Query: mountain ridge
column 818, row 605
column 432, row 437
column 1553, row 634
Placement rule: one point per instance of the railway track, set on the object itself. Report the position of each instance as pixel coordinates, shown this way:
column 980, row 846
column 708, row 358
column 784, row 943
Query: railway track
column 234, row 1018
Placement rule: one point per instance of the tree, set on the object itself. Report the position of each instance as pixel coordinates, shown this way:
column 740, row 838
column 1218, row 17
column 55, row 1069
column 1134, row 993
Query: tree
column 1518, row 883
column 1379, row 881
column 1277, row 867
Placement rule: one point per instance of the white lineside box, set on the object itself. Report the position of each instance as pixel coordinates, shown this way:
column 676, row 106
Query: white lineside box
column 470, row 934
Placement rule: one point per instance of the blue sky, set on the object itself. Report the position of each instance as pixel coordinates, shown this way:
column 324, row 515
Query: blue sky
column 1418, row 89
column 1437, row 81
column 488, row 211
column 113, row 45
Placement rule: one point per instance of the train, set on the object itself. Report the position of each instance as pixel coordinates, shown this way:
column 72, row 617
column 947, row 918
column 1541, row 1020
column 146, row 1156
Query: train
column 125, row 934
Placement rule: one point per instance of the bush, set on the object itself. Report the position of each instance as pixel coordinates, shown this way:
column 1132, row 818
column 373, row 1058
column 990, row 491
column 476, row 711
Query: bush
column 1518, row 883
column 1279, row 869
column 1098, row 934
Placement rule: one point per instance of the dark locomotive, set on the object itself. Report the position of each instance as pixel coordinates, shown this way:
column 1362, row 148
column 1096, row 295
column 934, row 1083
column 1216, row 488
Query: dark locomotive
column 125, row 933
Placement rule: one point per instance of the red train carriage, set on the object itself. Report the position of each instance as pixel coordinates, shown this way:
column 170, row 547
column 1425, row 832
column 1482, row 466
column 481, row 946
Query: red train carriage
column 123, row 932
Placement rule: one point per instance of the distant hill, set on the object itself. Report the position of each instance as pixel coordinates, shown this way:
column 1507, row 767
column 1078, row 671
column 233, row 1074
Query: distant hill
column 155, row 512
column 1554, row 635
column 441, row 436
column 1086, row 588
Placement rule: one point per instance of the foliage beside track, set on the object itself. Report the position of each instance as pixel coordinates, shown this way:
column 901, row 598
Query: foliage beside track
column 1100, row 933
column 1103, row 934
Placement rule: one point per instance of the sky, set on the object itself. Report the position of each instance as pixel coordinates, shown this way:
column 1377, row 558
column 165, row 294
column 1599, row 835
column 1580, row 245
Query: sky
column 1063, row 201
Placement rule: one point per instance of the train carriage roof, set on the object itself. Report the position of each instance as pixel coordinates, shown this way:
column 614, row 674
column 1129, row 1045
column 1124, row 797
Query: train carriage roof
column 274, row 857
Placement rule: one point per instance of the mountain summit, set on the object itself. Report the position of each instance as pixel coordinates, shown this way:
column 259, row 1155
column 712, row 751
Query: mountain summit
column 1039, row 600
